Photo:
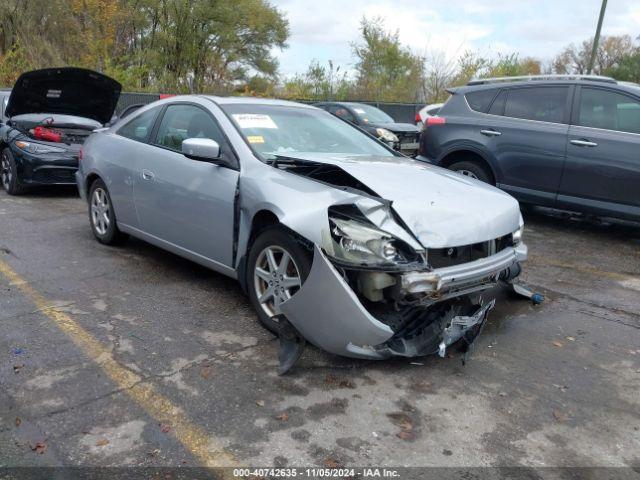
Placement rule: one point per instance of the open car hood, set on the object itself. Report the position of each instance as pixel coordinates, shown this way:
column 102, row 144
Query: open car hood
column 440, row 207
column 69, row 91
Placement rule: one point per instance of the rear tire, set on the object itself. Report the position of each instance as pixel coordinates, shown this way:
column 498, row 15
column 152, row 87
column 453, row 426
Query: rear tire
column 473, row 169
column 269, row 282
column 102, row 217
column 9, row 173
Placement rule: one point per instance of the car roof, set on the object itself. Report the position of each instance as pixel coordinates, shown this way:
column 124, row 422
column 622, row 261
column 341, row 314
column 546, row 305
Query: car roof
column 594, row 81
column 239, row 100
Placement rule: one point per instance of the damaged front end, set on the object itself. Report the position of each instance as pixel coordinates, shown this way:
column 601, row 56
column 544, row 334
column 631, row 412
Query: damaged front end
column 374, row 291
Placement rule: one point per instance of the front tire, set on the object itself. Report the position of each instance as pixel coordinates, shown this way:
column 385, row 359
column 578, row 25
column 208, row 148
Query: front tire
column 472, row 169
column 9, row 173
column 102, row 216
column 277, row 267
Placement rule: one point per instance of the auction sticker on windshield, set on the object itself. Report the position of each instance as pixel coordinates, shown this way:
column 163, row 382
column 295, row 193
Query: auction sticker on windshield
column 254, row 120
column 255, row 139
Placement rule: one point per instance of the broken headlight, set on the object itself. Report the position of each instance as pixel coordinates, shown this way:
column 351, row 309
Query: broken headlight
column 364, row 245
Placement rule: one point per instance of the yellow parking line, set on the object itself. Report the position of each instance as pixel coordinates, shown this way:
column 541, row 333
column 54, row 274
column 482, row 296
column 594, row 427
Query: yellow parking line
column 208, row 451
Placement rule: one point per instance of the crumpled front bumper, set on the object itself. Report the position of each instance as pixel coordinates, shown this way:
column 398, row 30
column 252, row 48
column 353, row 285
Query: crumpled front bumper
column 327, row 313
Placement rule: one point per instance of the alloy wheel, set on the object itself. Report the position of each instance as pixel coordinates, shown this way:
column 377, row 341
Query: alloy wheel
column 276, row 278
column 5, row 172
column 100, row 209
column 467, row 173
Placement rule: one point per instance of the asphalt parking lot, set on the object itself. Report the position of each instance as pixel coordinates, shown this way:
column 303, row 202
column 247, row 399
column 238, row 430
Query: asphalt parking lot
column 131, row 356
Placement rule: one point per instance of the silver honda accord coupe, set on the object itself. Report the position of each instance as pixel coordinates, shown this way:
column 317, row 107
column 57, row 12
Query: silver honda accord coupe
column 336, row 238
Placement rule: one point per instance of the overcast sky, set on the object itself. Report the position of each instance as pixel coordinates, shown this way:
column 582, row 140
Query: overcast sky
column 323, row 30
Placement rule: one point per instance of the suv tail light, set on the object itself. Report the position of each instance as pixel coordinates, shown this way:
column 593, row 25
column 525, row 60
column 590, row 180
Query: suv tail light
column 431, row 121
column 80, row 155
column 418, row 118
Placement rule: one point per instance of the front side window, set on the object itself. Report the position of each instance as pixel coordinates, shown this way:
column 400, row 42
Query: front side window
column 186, row 121
column 609, row 110
column 140, row 127
column 282, row 130
column 544, row 104
column 343, row 113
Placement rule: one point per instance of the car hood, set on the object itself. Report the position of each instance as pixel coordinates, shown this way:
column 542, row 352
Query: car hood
column 396, row 127
column 441, row 208
column 69, row 91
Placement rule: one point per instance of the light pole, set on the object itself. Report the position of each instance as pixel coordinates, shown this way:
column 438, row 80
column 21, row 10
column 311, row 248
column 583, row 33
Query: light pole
column 596, row 39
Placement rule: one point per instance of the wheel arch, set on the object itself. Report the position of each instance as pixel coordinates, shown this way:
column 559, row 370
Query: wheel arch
column 471, row 155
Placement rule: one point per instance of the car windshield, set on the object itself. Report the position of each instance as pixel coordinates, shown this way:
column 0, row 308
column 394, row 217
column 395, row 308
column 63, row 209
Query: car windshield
column 369, row 114
column 276, row 130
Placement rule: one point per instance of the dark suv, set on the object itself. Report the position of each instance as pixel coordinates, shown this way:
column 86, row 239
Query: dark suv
column 568, row 142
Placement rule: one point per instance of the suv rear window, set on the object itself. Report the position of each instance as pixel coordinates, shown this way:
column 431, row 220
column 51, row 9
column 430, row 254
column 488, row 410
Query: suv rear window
column 480, row 99
column 544, row 104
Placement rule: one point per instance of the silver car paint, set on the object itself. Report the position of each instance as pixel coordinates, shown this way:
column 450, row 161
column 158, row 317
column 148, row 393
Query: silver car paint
column 342, row 325
column 440, row 209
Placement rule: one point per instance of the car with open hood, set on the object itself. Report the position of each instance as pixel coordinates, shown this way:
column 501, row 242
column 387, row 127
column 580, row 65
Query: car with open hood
column 48, row 116
column 403, row 137
column 336, row 238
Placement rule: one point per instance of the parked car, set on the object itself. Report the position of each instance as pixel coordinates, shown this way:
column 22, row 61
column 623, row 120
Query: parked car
column 50, row 113
column 402, row 137
column 567, row 142
column 427, row 112
column 4, row 99
column 335, row 237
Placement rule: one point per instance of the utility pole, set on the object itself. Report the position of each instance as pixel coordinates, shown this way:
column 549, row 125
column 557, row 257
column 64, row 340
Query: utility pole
column 596, row 39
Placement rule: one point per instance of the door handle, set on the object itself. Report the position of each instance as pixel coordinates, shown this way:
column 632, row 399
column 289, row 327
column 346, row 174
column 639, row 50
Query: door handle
column 584, row 143
column 490, row 133
column 147, row 175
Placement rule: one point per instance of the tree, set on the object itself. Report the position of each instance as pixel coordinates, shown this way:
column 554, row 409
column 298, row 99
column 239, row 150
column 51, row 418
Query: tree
column 172, row 45
column 611, row 50
column 385, row 70
column 318, row 83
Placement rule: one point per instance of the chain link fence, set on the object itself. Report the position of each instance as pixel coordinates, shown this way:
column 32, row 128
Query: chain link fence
column 400, row 112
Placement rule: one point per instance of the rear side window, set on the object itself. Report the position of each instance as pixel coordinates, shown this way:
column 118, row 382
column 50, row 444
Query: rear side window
column 139, row 127
column 544, row 104
column 609, row 110
column 497, row 107
column 480, row 99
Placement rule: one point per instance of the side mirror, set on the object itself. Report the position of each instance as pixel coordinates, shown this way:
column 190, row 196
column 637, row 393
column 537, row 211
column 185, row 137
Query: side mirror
column 203, row 149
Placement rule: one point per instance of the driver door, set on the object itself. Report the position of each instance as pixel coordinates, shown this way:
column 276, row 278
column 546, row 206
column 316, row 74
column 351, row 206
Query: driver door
column 187, row 206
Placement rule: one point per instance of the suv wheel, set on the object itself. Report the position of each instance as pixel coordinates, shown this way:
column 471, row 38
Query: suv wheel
column 473, row 170
column 102, row 216
column 276, row 269
column 9, row 173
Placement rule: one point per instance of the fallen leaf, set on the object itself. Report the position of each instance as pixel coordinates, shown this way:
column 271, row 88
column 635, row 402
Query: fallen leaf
column 404, row 435
column 102, row 442
column 16, row 368
column 559, row 416
column 260, row 403
column 283, row 417
column 558, row 343
column 331, row 462
column 571, row 339
column 164, row 428
column 205, row 372
column 38, row 447
column 339, row 382
column 406, row 426
column 18, row 421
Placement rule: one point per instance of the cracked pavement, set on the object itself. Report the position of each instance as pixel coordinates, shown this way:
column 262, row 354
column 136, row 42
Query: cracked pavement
column 551, row 385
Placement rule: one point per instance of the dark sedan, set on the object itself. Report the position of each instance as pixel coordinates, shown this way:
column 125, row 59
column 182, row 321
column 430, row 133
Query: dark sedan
column 403, row 137
column 49, row 115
